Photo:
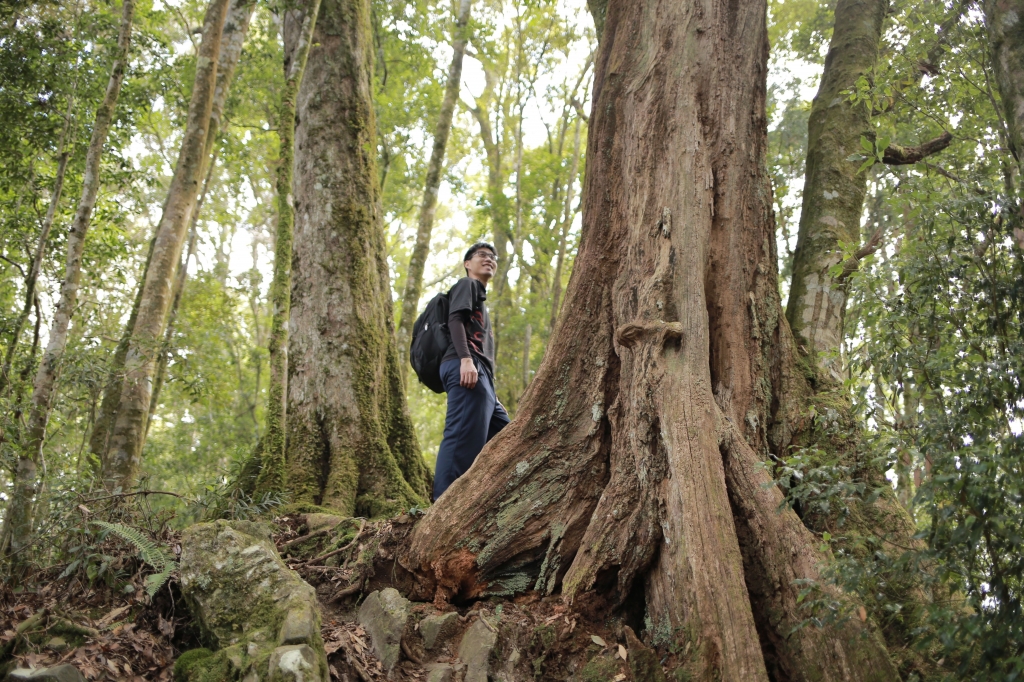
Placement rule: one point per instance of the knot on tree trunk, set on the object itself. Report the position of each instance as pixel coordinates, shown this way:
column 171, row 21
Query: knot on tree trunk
column 632, row 333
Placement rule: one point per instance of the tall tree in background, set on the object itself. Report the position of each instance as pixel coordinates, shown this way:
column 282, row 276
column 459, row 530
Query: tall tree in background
column 633, row 462
column 1005, row 22
column 421, row 249
column 299, row 24
column 351, row 444
column 123, row 453
column 36, row 265
column 116, row 407
column 18, row 520
column 835, row 184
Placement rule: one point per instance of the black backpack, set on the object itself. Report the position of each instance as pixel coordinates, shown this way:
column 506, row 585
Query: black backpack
column 430, row 341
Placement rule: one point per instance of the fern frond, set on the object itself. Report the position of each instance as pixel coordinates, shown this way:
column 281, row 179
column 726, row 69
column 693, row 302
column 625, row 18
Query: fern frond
column 148, row 550
column 155, row 581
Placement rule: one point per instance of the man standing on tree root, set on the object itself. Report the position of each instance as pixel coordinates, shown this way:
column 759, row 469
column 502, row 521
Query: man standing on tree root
column 467, row 370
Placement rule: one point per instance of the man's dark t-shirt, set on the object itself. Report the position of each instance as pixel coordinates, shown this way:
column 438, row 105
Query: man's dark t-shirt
column 468, row 298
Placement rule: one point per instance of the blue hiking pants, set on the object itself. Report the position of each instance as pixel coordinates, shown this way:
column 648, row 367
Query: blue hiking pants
column 474, row 417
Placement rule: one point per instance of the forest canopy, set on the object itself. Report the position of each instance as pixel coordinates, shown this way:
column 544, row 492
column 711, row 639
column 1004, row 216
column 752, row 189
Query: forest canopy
column 219, row 220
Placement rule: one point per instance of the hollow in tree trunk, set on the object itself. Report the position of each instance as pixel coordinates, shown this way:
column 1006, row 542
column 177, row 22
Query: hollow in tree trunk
column 351, row 444
column 634, row 463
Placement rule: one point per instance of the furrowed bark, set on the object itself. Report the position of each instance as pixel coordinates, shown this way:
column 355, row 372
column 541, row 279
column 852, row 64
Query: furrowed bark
column 632, row 458
column 351, row 443
column 1006, row 36
column 298, row 35
column 26, row 484
column 124, row 451
column 556, row 284
column 833, row 196
column 421, row 249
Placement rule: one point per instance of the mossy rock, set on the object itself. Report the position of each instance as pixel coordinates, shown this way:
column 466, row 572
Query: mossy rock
column 250, row 607
column 194, row 666
column 600, row 668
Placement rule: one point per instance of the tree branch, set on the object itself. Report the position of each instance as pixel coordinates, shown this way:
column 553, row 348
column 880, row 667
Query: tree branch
column 851, row 264
column 930, row 65
column 896, row 155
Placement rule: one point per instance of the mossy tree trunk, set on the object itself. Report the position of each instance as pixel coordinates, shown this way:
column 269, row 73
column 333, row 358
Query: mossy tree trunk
column 214, row 77
column 179, row 291
column 299, row 23
column 634, row 462
column 834, row 187
column 18, row 520
column 122, row 462
column 421, row 249
column 351, row 444
column 1005, row 22
column 835, row 184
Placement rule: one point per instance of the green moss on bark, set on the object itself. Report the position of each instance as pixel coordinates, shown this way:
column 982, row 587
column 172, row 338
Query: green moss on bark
column 351, row 445
column 834, row 190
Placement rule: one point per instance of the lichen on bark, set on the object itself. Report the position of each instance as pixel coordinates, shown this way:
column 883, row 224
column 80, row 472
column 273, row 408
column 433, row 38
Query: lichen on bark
column 834, row 189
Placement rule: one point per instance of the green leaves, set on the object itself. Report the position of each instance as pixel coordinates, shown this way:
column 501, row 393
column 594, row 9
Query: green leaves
column 149, row 552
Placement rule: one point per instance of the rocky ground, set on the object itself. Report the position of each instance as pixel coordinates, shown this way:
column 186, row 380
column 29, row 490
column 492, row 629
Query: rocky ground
column 297, row 599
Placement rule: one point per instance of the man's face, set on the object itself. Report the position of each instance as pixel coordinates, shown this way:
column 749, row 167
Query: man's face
column 482, row 265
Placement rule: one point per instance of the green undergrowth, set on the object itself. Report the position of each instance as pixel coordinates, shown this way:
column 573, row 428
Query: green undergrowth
column 834, row 478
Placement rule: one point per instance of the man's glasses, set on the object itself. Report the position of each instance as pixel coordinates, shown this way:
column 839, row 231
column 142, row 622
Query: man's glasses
column 484, row 255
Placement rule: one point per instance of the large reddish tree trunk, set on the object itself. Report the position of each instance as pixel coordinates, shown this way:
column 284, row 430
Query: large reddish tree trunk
column 634, row 460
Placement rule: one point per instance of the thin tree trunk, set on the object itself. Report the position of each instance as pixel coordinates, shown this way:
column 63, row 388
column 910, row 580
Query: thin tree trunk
column 123, row 460
column 235, row 27
column 835, row 185
column 421, row 249
column 100, row 437
column 497, row 201
column 351, row 443
column 1004, row 21
column 179, row 289
column 632, row 460
column 298, row 37
column 526, row 355
column 834, row 190
column 26, row 484
column 567, row 216
column 32, row 278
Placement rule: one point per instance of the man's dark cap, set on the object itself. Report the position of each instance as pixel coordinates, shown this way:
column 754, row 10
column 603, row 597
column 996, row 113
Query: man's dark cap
column 476, row 247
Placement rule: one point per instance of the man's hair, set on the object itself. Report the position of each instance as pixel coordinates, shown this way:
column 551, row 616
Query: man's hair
column 476, row 247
